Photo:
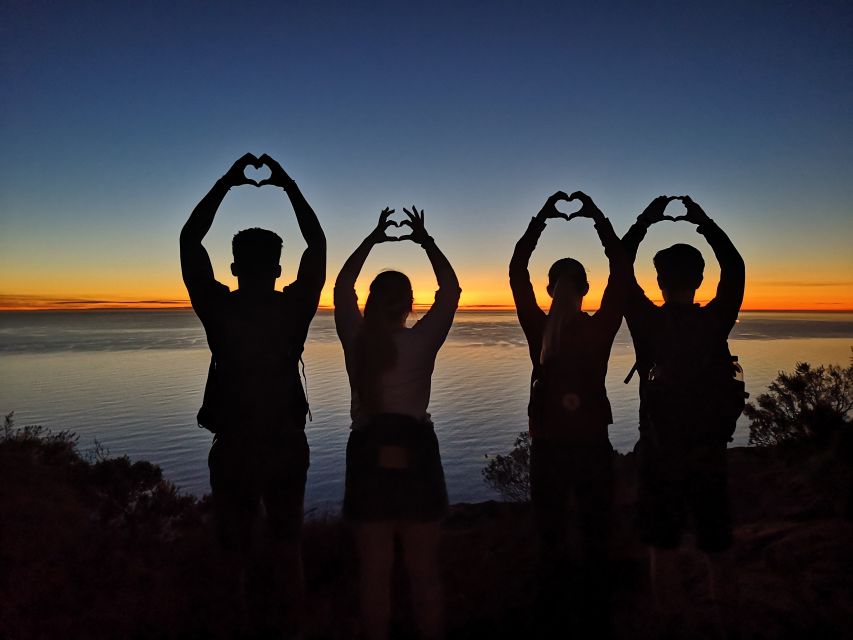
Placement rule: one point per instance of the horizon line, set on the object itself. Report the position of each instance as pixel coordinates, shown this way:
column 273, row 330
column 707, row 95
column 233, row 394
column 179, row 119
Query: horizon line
column 180, row 306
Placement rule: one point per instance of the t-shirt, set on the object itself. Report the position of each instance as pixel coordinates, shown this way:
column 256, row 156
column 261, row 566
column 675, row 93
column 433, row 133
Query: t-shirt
column 256, row 341
column 404, row 387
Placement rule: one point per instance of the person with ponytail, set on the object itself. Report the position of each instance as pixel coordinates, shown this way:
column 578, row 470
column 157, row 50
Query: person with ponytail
column 394, row 479
column 569, row 414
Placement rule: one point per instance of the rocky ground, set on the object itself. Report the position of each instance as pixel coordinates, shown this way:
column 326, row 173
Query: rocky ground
column 106, row 549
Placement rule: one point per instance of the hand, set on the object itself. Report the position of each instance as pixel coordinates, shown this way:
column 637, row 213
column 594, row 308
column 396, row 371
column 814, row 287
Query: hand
column 236, row 175
column 415, row 222
column 654, row 212
column 694, row 214
column 588, row 207
column 379, row 234
column 549, row 209
column 278, row 176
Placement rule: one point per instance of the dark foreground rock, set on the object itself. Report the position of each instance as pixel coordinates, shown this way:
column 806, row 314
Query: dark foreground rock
column 107, row 549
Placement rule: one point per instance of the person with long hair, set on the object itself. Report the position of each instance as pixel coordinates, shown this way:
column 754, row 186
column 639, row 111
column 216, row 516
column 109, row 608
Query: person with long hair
column 394, row 479
column 569, row 414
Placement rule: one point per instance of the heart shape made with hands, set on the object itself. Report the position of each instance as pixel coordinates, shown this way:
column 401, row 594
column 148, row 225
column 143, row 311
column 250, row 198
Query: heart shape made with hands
column 568, row 203
column 683, row 213
column 257, row 173
column 402, row 230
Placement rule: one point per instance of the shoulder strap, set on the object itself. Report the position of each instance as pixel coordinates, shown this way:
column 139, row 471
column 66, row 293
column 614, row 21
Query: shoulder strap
column 305, row 387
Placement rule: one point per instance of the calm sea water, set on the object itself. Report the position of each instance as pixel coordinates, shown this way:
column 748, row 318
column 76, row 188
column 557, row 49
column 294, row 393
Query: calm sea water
column 133, row 381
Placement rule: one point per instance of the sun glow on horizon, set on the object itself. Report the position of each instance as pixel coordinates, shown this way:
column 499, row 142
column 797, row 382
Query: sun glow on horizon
column 759, row 297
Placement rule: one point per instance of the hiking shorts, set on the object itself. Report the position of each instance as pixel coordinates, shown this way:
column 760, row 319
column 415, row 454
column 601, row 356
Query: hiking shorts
column 679, row 483
column 244, row 475
column 394, row 472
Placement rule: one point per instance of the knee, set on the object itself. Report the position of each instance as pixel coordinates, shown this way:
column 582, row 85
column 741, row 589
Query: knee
column 421, row 565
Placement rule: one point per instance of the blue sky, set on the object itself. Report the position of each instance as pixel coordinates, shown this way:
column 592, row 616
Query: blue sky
column 118, row 117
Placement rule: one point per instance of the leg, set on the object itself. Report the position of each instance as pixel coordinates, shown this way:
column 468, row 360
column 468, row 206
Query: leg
column 724, row 589
column 549, row 486
column 712, row 508
column 375, row 541
column 594, row 488
column 287, row 562
column 285, row 468
column 235, row 504
column 666, row 580
column 420, row 551
column 549, row 495
column 662, row 519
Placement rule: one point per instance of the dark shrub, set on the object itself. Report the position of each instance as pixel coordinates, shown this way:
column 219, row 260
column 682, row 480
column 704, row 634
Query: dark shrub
column 509, row 475
column 813, row 403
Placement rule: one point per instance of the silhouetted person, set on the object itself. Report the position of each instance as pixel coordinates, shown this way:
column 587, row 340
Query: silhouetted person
column 394, row 479
column 689, row 400
column 569, row 410
column 254, row 400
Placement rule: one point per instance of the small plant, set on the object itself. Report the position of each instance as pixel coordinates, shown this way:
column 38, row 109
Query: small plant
column 98, row 453
column 812, row 403
column 509, row 475
column 36, row 433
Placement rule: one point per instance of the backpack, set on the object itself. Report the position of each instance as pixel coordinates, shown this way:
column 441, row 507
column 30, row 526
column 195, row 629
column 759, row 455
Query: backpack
column 210, row 416
column 213, row 416
column 695, row 390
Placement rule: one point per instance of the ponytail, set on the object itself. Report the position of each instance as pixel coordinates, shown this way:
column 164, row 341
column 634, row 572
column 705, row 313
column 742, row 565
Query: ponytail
column 389, row 300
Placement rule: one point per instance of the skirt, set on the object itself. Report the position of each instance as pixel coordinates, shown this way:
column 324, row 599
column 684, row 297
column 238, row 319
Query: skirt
column 394, row 472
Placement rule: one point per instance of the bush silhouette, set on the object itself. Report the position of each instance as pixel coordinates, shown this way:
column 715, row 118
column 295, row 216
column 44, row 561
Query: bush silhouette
column 812, row 403
column 509, row 475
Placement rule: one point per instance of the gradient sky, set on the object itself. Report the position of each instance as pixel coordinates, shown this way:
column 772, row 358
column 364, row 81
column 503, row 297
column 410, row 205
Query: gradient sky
column 118, row 117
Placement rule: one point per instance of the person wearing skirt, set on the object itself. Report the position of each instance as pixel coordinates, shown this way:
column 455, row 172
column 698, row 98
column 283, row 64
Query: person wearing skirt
column 394, row 479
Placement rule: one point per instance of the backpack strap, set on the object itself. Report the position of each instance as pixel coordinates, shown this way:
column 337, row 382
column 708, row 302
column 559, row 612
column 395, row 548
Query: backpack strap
column 305, row 387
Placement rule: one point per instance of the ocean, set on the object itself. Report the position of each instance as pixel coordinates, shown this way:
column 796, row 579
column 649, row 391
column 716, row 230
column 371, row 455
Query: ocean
column 133, row 380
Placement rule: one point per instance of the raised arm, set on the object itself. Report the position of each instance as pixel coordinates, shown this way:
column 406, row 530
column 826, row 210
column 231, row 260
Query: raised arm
column 638, row 301
column 312, row 265
column 730, row 289
column 614, row 300
column 530, row 315
column 444, row 272
column 440, row 315
column 347, row 315
column 195, row 262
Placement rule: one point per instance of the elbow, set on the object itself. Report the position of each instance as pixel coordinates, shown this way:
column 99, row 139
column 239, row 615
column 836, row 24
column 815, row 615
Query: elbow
column 187, row 237
column 518, row 276
column 448, row 279
column 517, row 268
column 737, row 268
column 734, row 275
column 318, row 242
column 342, row 283
column 345, row 282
